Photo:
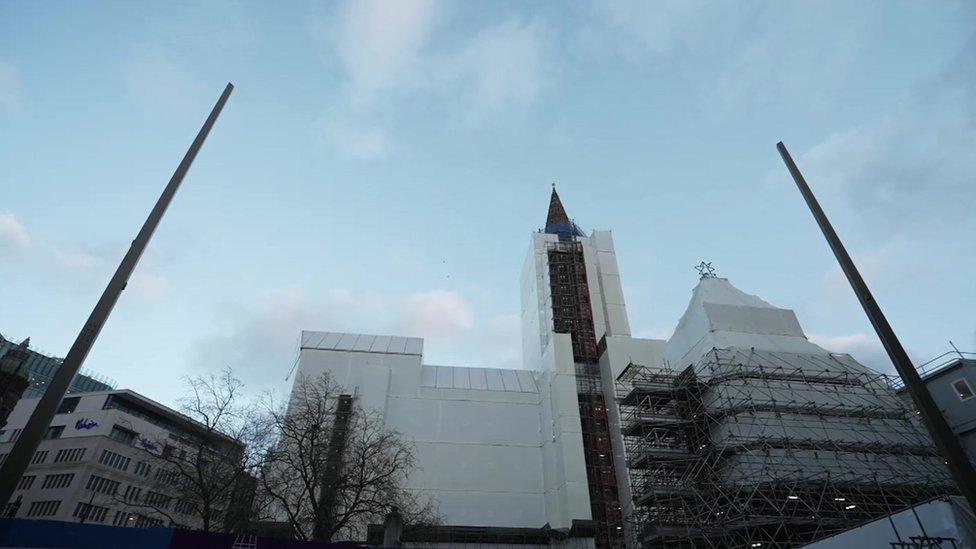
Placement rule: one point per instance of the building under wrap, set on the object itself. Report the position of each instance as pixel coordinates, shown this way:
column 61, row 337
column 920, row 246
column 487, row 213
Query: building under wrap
column 749, row 435
column 736, row 432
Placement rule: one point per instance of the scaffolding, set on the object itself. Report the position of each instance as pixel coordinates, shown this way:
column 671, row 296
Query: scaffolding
column 765, row 449
column 573, row 314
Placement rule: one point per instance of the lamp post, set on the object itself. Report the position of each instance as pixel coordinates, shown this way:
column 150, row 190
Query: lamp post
column 15, row 465
column 948, row 443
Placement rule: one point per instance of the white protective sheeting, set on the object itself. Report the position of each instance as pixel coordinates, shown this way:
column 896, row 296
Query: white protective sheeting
column 720, row 316
column 337, row 341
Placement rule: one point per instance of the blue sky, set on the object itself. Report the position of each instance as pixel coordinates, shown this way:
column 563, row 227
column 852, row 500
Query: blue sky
column 381, row 164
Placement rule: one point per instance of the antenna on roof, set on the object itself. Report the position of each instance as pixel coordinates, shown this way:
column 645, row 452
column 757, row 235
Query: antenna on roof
column 705, row 270
column 956, row 349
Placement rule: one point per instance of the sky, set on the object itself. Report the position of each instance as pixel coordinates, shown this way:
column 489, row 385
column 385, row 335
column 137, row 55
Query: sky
column 380, row 167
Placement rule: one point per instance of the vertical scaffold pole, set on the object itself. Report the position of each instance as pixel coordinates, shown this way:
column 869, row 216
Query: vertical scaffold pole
column 959, row 465
column 15, row 465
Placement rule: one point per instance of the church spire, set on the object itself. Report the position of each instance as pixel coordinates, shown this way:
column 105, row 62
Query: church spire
column 557, row 222
column 557, row 214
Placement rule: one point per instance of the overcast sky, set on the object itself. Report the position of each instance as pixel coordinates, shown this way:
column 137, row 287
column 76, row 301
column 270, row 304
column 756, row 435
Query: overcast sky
column 381, row 165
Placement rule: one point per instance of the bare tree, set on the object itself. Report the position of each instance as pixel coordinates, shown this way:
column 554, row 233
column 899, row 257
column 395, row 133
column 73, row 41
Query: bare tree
column 203, row 477
column 334, row 467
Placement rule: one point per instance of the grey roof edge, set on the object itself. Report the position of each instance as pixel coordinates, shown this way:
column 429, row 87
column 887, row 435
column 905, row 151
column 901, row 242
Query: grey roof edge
column 416, row 342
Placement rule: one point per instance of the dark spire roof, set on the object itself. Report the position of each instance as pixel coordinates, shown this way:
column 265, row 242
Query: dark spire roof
column 557, row 222
column 557, row 214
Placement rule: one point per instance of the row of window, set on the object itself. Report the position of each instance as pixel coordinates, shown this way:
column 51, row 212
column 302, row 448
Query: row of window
column 117, row 402
column 123, row 518
column 25, row 482
column 43, row 508
column 167, row 477
column 183, row 507
column 156, row 499
column 60, row 480
column 102, row 485
column 90, row 513
column 112, row 459
column 123, row 435
column 132, row 493
column 142, row 469
column 39, row 457
column 54, row 431
column 68, row 405
column 69, row 455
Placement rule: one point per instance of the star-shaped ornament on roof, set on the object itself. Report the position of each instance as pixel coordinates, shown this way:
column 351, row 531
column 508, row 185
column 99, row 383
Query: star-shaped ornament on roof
column 705, row 270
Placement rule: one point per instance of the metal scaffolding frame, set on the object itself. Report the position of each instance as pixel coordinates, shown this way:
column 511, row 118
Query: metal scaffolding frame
column 573, row 314
column 769, row 449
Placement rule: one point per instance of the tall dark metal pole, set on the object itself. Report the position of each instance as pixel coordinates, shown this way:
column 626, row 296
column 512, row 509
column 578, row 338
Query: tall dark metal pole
column 15, row 465
column 959, row 465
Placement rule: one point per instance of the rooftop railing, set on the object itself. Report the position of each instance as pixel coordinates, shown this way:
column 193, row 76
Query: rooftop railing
column 935, row 365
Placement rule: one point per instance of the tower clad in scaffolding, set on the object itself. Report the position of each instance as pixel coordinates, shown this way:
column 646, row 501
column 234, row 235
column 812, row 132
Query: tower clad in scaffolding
column 749, row 435
column 572, row 314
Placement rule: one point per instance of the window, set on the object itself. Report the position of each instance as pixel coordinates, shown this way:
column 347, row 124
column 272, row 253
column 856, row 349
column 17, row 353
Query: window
column 102, row 485
column 183, row 507
column 114, row 460
column 157, row 500
column 68, row 405
column 90, row 513
column 25, row 482
column 122, row 435
column 166, row 477
column 40, row 456
column 963, row 390
column 3, row 458
column 132, row 493
column 15, row 434
column 146, row 522
column 123, row 519
column 43, row 508
column 142, row 469
column 68, row 455
column 54, row 431
column 61, row 480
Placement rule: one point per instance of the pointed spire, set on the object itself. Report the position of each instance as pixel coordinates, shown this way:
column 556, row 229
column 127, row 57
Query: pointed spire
column 25, row 343
column 557, row 214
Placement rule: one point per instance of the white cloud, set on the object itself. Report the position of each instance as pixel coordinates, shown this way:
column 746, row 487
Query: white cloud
column 10, row 86
column 503, row 65
column 76, row 260
column 909, row 172
column 866, row 349
column 82, row 271
column 388, row 53
column 438, row 314
column 873, row 266
column 737, row 54
column 657, row 27
column 148, row 286
column 259, row 338
column 359, row 142
column 12, row 233
column 379, row 43
column 78, row 270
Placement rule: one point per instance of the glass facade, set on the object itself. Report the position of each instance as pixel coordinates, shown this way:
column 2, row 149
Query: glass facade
column 41, row 371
